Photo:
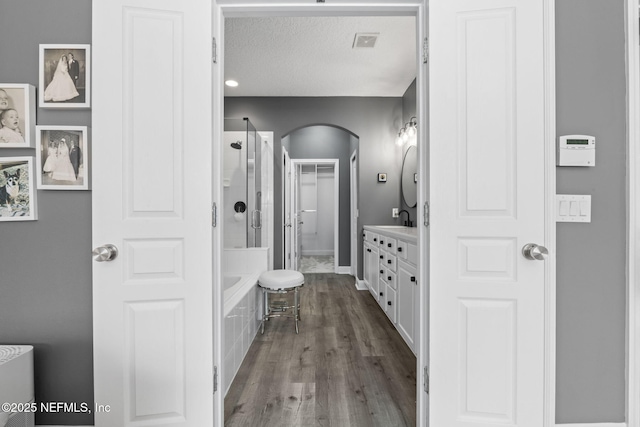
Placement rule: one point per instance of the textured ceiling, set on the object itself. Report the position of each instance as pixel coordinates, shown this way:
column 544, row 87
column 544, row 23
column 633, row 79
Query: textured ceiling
column 303, row 56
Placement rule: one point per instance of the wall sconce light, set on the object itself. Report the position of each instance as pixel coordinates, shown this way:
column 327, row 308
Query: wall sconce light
column 408, row 131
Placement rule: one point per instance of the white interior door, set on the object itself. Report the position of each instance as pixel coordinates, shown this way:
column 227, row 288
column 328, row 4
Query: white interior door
column 354, row 214
column 151, row 151
column 487, row 133
column 297, row 216
column 287, row 216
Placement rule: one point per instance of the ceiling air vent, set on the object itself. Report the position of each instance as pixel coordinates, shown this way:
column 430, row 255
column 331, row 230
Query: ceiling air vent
column 365, row 40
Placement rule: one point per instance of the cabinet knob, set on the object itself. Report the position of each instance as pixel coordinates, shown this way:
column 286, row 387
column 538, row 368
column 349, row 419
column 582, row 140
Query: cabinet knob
column 382, row 242
column 368, row 250
column 381, row 257
column 388, row 261
column 381, row 271
column 381, row 294
column 400, row 249
column 413, row 278
column 388, row 277
column 375, row 240
column 388, row 245
column 388, row 302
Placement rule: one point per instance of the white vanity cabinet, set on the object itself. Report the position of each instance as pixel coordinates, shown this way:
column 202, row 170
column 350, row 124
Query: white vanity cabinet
column 390, row 265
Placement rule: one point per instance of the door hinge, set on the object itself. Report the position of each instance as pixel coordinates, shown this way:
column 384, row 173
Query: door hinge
column 214, row 215
column 426, row 379
column 426, row 214
column 215, row 379
column 214, row 50
column 425, row 50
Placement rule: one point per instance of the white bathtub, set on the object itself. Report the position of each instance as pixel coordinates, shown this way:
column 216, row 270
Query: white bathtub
column 242, row 305
column 16, row 382
column 236, row 288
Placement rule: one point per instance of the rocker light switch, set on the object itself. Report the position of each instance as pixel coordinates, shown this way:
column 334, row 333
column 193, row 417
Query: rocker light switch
column 573, row 208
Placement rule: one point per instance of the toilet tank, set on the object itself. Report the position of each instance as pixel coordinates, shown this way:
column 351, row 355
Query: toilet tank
column 16, row 383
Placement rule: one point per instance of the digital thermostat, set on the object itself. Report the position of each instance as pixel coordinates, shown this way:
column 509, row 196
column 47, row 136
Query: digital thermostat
column 577, row 150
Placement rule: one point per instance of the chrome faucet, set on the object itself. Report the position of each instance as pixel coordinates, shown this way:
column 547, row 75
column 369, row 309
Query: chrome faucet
column 408, row 222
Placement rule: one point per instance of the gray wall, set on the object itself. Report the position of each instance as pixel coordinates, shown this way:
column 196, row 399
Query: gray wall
column 327, row 142
column 591, row 257
column 375, row 121
column 45, row 285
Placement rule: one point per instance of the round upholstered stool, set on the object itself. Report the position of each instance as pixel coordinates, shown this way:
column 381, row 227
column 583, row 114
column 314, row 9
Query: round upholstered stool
column 280, row 282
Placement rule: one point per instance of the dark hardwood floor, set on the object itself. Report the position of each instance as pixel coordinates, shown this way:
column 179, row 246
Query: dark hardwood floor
column 347, row 367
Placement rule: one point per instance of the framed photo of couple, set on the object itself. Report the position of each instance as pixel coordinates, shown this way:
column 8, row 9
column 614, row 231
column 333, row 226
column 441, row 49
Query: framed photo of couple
column 62, row 158
column 65, row 77
column 17, row 115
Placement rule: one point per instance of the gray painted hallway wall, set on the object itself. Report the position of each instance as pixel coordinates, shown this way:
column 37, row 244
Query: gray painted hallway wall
column 45, row 281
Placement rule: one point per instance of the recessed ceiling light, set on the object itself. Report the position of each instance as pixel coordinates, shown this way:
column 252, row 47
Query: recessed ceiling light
column 231, row 83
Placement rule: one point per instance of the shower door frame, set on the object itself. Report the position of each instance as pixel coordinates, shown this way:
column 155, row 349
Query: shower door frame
column 336, row 204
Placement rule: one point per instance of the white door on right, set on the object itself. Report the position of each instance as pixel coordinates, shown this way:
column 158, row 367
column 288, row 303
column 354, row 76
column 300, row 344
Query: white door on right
column 487, row 142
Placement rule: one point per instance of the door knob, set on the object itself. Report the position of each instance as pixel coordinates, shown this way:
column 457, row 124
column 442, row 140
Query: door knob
column 105, row 253
column 534, row 252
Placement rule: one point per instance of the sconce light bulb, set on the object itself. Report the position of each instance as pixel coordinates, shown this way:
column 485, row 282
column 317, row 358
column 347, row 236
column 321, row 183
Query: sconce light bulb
column 411, row 131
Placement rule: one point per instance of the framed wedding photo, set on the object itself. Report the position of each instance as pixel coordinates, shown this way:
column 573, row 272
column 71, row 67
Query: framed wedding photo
column 17, row 115
column 62, row 158
column 65, row 76
column 17, row 192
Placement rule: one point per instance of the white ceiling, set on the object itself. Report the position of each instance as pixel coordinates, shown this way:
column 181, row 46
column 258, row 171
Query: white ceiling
column 304, row 56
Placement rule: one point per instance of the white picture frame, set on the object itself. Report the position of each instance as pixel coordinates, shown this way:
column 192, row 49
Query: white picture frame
column 17, row 189
column 21, row 98
column 62, row 158
column 57, row 85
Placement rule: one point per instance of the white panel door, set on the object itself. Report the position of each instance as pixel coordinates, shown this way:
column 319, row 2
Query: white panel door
column 487, row 133
column 152, row 199
column 297, row 214
column 288, row 216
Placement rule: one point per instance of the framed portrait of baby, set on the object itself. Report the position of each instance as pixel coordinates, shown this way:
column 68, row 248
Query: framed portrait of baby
column 17, row 192
column 62, row 158
column 65, row 77
column 17, row 115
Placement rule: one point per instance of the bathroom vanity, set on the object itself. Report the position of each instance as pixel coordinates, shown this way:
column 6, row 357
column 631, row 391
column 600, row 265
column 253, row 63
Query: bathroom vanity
column 390, row 266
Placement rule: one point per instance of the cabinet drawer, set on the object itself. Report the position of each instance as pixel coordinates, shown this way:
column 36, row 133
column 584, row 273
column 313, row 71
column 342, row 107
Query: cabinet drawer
column 389, row 261
column 390, row 278
column 412, row 253
column 401, row 249
column 382, row 256
column 390, row 245
column 390, row 304
column 371, row 237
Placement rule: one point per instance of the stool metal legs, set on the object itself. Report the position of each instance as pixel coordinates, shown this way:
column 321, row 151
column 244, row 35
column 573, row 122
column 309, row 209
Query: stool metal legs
column 270, row 308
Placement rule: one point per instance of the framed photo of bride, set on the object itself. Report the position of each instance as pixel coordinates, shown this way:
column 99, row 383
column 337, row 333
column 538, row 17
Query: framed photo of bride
column 62, row 158
column 65, row 76
column 17, row 115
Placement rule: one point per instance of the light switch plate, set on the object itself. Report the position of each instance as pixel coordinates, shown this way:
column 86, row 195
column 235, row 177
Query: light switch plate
column 573, row 208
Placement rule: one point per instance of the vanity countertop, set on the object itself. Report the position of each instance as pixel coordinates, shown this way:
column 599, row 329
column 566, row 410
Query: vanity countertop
column 397, row 231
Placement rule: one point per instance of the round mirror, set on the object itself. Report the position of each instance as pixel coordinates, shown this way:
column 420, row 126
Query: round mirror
column 410, row 177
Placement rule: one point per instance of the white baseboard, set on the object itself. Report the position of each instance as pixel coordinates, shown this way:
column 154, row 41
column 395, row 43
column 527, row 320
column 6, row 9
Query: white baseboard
column 360, row 285
column 344, row 269
column 592, row 425
column 316, row 252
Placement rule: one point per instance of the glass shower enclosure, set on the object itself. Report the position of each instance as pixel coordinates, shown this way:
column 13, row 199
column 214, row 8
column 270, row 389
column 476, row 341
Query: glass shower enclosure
column 242, row 184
